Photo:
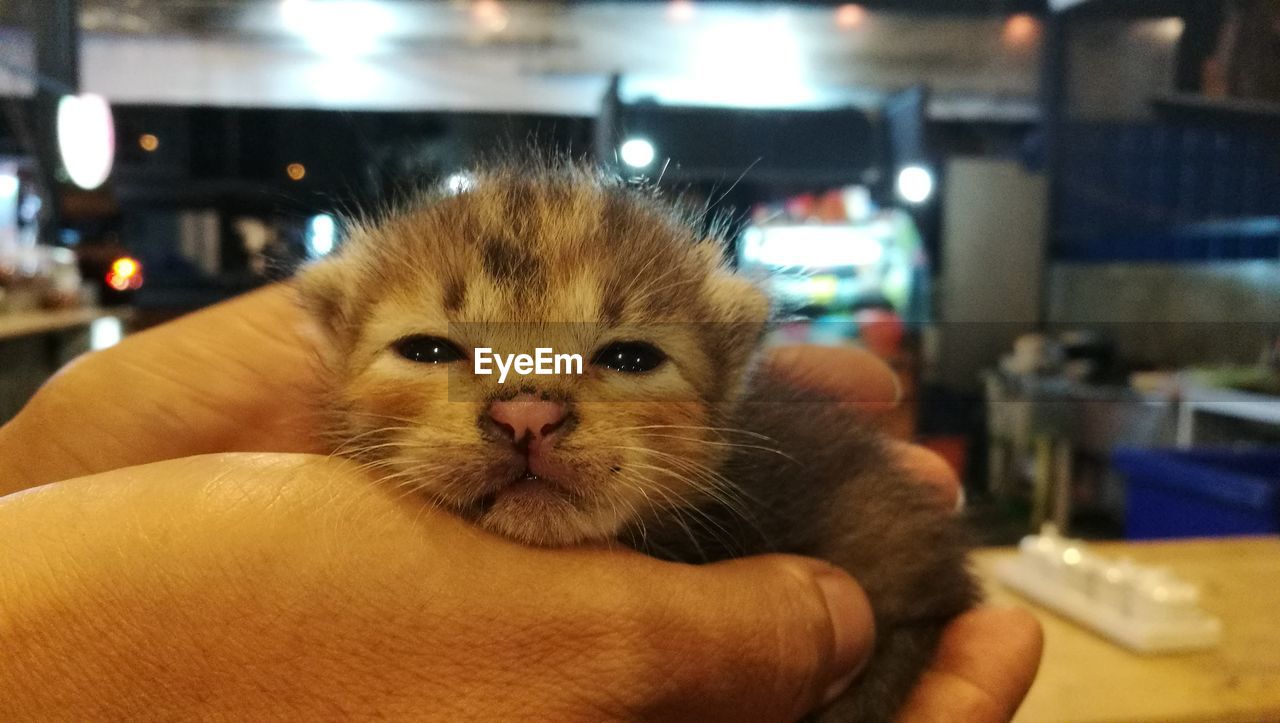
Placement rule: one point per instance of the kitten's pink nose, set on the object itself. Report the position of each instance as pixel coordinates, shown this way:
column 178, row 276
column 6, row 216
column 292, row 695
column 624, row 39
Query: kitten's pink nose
column 528, row 416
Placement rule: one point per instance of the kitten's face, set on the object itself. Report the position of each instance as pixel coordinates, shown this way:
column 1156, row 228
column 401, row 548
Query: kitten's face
column 664, row 333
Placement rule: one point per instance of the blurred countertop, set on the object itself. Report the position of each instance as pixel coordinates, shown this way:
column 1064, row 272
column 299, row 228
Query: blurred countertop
column 30, row 323
column 1085, row 678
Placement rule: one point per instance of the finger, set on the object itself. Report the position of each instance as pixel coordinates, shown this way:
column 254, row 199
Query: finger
column 766, row 638
column 858, row 377
column 239, row 376
column 983, row 668
column 845, row 373
column 929, row 467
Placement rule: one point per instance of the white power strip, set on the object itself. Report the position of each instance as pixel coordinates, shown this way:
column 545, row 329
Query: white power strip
column 1145, row 609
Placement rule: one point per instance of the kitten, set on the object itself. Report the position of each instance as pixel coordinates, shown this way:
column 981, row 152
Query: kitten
column 672, row 440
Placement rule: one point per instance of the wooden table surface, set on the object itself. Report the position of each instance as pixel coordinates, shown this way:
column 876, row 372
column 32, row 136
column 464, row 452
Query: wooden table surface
column 1086, row 678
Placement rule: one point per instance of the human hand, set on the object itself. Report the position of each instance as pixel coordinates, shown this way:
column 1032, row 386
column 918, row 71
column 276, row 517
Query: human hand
column 286, row 586
column 862, row 381
column 988, row 657
column 241, row 377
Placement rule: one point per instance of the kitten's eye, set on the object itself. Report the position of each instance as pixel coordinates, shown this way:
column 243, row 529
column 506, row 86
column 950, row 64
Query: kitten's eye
column 427, row 349
column 632, row 357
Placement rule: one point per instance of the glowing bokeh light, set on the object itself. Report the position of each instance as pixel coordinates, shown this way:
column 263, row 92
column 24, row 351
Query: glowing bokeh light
column 1169, row 30
column 296, row 171
column 86, row 139
column 637, row 152
column 915, row 184
column 125, row 274
column 1021, row 30
column 125, row 267
column 148, row 142
column 322, row 235
column 105, row 332
column 459, row 182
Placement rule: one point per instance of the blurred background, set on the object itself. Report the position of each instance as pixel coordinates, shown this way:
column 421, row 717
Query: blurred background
column 1008, row 199
column 1059, row 220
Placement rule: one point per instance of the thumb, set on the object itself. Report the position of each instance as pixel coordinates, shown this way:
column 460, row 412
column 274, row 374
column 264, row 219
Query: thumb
column 764, row 638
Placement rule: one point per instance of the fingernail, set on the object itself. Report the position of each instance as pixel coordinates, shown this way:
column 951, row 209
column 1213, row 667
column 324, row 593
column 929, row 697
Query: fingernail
column 837, row 689
column 899, row 391
column 853, row 626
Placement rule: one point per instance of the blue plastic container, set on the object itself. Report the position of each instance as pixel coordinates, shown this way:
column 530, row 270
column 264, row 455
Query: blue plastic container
column 1200, row 493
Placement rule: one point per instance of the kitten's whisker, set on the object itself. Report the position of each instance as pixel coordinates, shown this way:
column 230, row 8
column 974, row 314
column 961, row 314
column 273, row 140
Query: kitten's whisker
column 686, row 511
column 676, row 506
column 731, row 430
column 717, row 480
column 350, row 435
column 720, row 489
column 352, row 448
column 693, row 508
column 736, row 445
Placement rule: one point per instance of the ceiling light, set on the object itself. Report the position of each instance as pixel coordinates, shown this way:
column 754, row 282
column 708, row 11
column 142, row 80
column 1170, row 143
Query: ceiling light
column 850, row 16
column 86, row 139
column 755, row 61
column 1021, row 30
column 490, row 15
column 680, row 10
column 338, row 27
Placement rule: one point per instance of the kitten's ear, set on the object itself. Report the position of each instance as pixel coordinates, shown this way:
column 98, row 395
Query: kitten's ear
column 743, row 311
column 734, row 297
column 737, row 299
column 323, row 290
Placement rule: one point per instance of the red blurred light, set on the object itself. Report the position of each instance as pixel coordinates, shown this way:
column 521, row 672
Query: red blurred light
column 125, row 274
column 126, row 267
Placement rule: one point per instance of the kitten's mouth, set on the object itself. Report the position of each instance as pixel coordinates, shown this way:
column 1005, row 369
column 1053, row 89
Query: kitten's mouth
column 526, row 487
column 555, row 506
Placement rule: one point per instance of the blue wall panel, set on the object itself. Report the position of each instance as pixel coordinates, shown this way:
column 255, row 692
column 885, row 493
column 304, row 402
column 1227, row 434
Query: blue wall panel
column 1164, row 192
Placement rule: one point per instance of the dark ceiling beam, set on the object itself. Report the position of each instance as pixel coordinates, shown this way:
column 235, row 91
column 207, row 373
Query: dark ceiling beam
column 1140, row 8
column 57, row 33
column 924, row 7
column 950, row 7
